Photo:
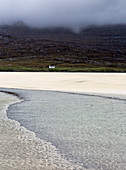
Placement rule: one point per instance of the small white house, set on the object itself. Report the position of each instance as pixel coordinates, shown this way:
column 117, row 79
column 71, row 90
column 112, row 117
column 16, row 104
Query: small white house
column 52, row 67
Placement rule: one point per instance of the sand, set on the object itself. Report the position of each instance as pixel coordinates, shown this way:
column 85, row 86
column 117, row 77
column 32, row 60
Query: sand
column 18, row 150
column 113, row 83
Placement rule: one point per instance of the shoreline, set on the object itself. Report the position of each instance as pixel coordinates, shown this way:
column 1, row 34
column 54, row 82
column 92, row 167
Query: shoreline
column 23, row 140
column 106, row 84
column 20, row 148
column 112, row 96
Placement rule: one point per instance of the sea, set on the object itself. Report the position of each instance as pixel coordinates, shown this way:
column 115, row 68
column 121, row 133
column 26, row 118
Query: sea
column 88, row 130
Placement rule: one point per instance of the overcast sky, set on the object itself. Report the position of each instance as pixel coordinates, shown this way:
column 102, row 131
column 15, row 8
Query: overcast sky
column 68, row 13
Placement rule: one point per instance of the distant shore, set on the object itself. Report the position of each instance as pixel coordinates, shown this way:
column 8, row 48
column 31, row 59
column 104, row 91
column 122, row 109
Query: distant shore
column 107, row 83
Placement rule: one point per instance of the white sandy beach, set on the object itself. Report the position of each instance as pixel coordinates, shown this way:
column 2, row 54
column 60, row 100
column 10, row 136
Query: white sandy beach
column 15, row 150
column 113, row 83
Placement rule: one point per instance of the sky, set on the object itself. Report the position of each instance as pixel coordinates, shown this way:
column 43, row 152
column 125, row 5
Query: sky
column 68, row 13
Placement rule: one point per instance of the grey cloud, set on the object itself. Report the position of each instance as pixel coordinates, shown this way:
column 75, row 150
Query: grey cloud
column 67, row 13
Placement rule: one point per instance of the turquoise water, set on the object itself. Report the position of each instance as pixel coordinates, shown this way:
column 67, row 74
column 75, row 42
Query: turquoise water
column 87, row 130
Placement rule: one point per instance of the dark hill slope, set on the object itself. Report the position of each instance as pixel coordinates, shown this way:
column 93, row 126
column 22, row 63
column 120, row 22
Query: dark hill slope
column 35, row 49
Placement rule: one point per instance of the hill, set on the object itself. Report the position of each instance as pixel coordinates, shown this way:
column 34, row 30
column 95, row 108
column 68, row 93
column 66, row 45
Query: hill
column 93, row 49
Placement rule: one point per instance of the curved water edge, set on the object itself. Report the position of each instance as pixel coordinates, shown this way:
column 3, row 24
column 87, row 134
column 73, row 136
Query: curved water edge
column 24, row 150
column 14, row 91
column 89, row 157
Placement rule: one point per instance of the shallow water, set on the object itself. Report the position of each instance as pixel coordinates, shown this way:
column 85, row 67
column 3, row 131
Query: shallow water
column 21, row 149
column 87, row 130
